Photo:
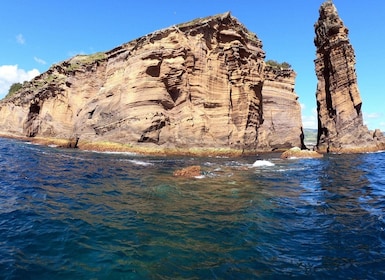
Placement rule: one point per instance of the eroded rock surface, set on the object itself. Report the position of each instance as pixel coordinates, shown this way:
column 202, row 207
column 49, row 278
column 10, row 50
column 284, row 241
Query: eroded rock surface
column 282, row 120
column 296, row 152
column 189, row 172
column 194, row 85
column 340, row 123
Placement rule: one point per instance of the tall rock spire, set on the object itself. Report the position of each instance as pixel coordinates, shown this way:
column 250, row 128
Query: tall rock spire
column 340, row 122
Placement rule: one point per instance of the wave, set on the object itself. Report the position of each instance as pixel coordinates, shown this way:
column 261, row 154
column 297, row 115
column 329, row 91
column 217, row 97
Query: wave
column 376, row 152
column 112, row 153
column 261, row 163
column 139, row 162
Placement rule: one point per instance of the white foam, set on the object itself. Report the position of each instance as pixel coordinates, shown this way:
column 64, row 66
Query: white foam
column 139, row 162
column 112, row 153
column 376, row 152
column 260, row 163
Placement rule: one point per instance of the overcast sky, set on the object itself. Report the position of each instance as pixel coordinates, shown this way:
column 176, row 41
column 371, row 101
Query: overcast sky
column 36, row 34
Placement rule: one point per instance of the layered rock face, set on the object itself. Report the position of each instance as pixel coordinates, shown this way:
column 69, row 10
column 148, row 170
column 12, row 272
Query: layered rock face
column 340, row 122
column 281, row 110
column 194, row 85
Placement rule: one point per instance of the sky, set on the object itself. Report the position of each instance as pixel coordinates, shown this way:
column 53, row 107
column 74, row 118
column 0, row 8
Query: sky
column 36, row 34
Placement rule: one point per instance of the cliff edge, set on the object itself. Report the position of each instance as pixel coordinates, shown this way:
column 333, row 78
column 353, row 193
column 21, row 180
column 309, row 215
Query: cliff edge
column 198, row 85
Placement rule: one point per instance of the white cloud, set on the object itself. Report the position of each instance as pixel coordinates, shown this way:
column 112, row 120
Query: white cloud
column 20, row 39
column 39, row 60
column 372, row 115
column 310, row 121
column 10, row 74
column 374, row 120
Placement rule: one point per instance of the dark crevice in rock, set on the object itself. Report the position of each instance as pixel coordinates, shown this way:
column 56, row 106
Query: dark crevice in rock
column 151, row 134
column 153, row 71
column 358, row 109
column 328, row 94
column 91, row 113
column 34, row 109
column 32, row 125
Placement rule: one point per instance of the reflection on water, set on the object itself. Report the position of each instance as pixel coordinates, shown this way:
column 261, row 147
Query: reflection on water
column 71, row 214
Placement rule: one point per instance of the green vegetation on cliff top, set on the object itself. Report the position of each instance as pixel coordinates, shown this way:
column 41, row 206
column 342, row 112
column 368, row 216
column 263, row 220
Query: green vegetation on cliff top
column 80, row 60
column 13, row 89
column 278, row 65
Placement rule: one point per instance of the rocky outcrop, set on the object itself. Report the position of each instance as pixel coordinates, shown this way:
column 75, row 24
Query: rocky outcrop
column 296, row 152
column 196, row 85
column 188, row 172
column 281, row 110
column 340, row 122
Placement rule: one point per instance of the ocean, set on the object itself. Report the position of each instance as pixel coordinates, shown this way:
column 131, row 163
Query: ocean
column 70, row 214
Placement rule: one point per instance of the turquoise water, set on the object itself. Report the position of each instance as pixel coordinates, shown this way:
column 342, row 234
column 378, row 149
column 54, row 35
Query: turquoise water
column 69, row 214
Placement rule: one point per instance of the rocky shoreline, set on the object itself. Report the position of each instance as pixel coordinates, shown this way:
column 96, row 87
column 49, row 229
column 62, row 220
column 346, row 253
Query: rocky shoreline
column 126, row 148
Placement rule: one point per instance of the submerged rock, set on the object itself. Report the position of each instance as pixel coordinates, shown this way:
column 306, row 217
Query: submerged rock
column 191, row 171
column 341, row 128
column 298, row 153
column 202, row 84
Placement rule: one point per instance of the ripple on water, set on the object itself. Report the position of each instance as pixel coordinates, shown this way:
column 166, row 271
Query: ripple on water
column 71, row 214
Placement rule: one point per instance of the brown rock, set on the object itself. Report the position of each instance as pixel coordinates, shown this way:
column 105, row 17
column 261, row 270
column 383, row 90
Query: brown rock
column 191, row 171
column 281, row 111
column 196, row 85
column 298, row 153
column 341, row 127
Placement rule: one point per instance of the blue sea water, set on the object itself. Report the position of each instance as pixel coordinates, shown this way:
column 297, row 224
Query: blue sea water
column 69, row 214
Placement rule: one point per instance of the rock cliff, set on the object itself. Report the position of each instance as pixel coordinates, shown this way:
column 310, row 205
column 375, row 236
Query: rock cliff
column 198, row 85
column 281, row 110
column 340, row 122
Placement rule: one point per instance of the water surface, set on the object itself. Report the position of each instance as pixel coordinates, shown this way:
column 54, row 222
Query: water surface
column 69, row 214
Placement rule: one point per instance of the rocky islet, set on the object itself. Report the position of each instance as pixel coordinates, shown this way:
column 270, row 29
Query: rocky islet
column 340, row 122
column 201, row 87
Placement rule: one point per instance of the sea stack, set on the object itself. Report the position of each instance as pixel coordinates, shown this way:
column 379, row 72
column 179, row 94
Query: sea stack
column 193, row 87
column 340, row 122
